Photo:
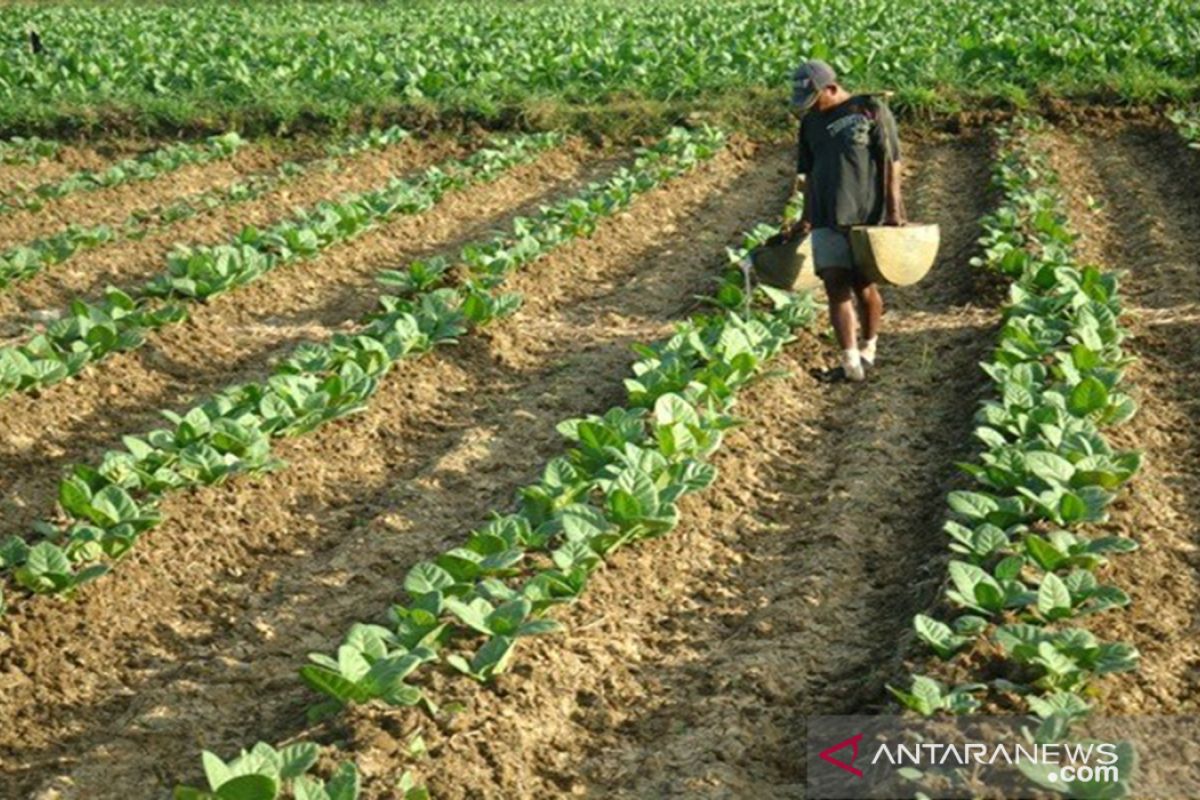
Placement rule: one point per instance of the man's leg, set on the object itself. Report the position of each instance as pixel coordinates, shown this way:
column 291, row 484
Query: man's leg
column 839, row 288
column 870, row 309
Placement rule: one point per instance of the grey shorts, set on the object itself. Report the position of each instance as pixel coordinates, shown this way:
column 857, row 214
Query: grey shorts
column 831, row 250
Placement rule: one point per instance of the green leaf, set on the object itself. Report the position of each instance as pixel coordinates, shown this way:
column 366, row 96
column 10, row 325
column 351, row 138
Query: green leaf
column 75, row 497
column 975, row 587
column 697, row 476
column 506, row 619
column 927, row 693
column 353, row 664
column 89, row 574
column 937, row 635
column 112, row 505
column 970, row 625
column 306, row 788
column 249, row 787
column 671, row 408
column 640, row 486
column 13, row 552
column 462, row 665
column 1054, row 600
column 263, row 759
column 582, row 523
column 1015, row 639
column 1117, row 657
column 989, row 596
column 493, row 657
column 1088, row 396
column 539, row 627
column 216, row 770
column 191, row 793
column 1009, row 568
column 1112, row 544
column 47, row 558
column 461, row 564
column 624, row 507
column 330, row 683
column 972, row 505
column 474, row 614
column 344, row 785
column 1050, row 467
column 296, row 759
column 426, row 577
column 1072, row 508
column 1068, row 703
column 1055, row 662
column 1044, row 554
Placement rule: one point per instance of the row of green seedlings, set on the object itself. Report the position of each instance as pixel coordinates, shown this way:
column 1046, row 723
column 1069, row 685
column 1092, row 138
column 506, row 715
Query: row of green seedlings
column 620, row 482
column 121, row 321
column 144, row 167
column 27, row 150
column 110, row 506
column 30, row 259
column 1187, row 122
column 265, row 772
column 1026, row 573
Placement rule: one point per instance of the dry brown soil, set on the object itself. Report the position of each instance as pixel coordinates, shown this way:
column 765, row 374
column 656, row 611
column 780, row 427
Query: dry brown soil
column 236, row 336
column 687, row 669
column 1135, row 204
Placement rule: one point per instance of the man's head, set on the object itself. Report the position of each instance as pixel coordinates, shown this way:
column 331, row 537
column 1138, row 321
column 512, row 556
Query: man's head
column 814, row 85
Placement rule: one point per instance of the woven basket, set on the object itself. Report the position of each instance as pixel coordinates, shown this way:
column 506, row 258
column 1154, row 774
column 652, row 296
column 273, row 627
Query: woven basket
column 786, row 263
column 897, row 255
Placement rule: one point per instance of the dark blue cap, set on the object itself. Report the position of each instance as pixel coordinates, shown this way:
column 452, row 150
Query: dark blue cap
column 808, row 80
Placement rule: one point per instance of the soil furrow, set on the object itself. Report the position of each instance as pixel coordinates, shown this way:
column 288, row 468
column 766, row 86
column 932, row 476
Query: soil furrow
column 196, row 641
column 113, row 205
column 238, row 335
column 688, row 667
column 69, row 160
column 128, row 263
column 1134, row 202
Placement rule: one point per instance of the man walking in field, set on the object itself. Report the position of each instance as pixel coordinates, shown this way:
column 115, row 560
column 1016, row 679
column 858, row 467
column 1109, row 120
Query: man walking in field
column 849, row 163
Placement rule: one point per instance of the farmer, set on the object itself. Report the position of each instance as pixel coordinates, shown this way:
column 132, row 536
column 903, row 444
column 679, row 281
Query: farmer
column 849, row 166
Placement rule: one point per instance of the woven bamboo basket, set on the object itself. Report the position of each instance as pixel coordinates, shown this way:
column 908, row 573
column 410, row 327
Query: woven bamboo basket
column 896, row 255
column 786, row 263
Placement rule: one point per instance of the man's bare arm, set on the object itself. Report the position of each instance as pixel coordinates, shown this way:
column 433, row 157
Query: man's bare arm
column 804, row 225
column 893, row 196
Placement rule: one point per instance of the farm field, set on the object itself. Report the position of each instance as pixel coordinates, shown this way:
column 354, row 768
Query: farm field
column 266, row 63
column 379, row 396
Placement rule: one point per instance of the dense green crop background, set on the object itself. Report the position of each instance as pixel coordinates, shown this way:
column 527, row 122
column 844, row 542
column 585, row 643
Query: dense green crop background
column 258, row 62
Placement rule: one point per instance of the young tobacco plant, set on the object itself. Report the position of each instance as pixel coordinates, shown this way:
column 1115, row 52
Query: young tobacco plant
column 139, row 168
column 1025, row 565
column 27, row 150
column 120, row 322
column 27, row 260
column 620, row 482
column 267, row 773
column 928, row 696
column 231, row 432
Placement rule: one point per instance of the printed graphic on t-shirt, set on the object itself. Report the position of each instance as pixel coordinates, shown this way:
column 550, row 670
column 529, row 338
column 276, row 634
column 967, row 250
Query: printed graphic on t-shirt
column 858, row 124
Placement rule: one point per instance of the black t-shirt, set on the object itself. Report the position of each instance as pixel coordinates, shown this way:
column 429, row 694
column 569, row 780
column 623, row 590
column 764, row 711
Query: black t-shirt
column 842, row 152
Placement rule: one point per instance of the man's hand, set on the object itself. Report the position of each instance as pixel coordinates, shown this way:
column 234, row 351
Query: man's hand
column 791, row 230
column 893, row 199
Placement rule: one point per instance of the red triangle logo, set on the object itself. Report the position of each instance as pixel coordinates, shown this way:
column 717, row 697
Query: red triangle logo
column 852, row 742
